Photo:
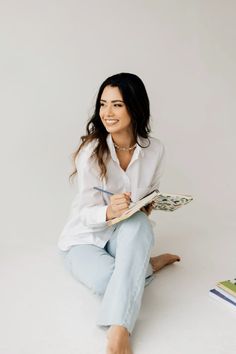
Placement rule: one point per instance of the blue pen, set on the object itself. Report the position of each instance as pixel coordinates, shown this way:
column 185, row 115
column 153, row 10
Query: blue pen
column 103, row 190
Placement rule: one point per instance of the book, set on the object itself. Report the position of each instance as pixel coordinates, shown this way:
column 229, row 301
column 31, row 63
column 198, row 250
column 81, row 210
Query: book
column 229, row 286
column 160, row 201
column 226, row 294
column 215, row 293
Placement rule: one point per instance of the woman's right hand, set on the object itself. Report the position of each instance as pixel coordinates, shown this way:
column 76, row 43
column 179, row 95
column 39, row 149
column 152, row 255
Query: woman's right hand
column 119, row 203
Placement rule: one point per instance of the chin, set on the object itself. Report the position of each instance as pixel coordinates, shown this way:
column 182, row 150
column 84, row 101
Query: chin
column 112, row 130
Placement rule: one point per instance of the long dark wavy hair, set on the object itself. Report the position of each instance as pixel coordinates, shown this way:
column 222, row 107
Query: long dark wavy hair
column 135, row 97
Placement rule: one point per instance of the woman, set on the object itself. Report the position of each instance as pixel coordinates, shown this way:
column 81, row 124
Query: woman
column 118, row 156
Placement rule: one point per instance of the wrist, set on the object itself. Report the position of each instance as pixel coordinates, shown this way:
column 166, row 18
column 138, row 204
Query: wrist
column 109, row 213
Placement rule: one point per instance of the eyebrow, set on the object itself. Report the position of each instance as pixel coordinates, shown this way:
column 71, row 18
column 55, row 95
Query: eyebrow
column 112, row 101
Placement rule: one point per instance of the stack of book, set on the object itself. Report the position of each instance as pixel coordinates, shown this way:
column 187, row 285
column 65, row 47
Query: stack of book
column 225, row 291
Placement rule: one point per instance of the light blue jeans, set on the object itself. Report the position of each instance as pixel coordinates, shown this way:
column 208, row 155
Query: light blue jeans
column 118, row 272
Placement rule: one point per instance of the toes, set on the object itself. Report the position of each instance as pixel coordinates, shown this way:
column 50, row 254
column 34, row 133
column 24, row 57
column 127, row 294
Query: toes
column 175, row 258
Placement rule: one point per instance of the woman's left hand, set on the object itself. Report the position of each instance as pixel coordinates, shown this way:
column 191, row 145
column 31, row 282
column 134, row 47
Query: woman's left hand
column 147, row 209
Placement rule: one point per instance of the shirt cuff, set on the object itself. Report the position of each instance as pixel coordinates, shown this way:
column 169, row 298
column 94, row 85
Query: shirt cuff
column 95, row 217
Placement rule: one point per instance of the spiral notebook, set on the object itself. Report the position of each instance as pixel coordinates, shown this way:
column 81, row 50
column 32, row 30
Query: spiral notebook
column 160, row 201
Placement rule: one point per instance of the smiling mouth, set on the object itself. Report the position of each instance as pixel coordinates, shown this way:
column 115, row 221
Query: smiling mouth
column 111, row 121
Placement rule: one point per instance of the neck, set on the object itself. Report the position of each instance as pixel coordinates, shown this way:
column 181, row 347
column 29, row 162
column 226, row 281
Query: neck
column 124, row 140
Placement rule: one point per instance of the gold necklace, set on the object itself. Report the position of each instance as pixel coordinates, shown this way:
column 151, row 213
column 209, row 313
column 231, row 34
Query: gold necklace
column 123, row 148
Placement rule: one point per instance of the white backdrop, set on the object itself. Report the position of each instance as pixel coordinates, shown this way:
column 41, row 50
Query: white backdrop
column 54, row 56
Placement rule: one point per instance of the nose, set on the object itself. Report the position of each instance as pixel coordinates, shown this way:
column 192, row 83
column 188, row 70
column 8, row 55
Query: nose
column 109, row 111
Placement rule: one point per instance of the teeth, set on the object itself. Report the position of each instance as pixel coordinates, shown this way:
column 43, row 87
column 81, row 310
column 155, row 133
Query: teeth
column 111, row 121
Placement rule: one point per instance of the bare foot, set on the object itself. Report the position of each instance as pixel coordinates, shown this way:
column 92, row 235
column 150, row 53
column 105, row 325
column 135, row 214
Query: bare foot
column 118, row 341
column 163, row 260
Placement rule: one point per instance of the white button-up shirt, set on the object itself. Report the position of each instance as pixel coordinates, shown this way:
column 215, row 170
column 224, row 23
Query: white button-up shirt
column 87, row 220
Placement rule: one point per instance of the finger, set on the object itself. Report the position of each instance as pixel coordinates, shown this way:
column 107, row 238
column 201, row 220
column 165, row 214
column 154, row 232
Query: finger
column 120, row 202
column 128, row 195
column 128, row 198
column 144, row 210
column 121, row 206
column 122, row 195
column 118, row 196
column 119, row 199
column 125, row 194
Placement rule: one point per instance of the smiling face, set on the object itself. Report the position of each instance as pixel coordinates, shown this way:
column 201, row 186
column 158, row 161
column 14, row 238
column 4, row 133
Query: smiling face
column 113, row 111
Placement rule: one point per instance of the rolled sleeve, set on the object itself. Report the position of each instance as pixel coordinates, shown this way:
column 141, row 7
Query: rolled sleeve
column 94, row 216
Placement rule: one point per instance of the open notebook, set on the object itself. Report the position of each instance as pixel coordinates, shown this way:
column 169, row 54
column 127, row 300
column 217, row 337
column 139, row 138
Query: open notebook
column 160, row 201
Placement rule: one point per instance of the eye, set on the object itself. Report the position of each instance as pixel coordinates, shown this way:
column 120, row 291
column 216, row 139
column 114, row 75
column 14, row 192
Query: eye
column 117, row 105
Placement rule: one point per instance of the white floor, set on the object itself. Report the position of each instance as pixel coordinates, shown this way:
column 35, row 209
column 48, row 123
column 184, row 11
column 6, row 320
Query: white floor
column 44, row 310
